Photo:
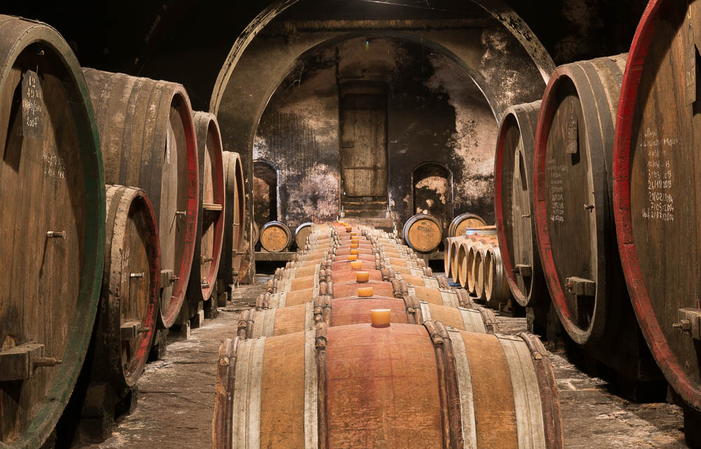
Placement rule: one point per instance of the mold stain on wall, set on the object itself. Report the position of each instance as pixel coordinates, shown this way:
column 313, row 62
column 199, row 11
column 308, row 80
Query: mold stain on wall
column 435, row 114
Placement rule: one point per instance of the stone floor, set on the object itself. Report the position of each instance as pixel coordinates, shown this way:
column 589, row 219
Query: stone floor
column 176, row 398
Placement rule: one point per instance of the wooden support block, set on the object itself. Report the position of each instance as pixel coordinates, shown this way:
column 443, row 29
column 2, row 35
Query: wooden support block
column 198, row 320
column 211, row 207
column 130, row 330
column 581, row 287
column 18, row 363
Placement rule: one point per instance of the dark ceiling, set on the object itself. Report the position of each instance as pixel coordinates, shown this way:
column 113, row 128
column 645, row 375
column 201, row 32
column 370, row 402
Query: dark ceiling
column 188, row 40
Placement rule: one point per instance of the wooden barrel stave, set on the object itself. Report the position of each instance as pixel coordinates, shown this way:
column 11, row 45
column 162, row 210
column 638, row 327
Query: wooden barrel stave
column 138, row 118
column 466, row 389
column 51, row 180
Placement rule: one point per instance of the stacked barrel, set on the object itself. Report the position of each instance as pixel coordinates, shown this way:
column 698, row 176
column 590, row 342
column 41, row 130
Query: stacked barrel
column 473, row 260
column 355, row 343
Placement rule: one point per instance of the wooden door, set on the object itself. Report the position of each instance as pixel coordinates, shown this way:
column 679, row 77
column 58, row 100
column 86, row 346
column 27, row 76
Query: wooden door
column 364, row 145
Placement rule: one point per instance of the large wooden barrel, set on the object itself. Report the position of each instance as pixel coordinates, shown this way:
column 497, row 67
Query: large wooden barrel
column 423, row 233
column 347, row 311
column 52, row 223
column 513, row 203
column 572, row 189
column 148, row 141
column 301, row 233
column 233, row 245
column 656, row 189
column 275, row 236
column 210, row 220
column 398, row 386
column 464, row 221
column 128, row 311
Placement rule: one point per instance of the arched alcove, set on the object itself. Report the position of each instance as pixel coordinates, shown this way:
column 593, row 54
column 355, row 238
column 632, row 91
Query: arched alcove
column 265, row 191
column 432, row 191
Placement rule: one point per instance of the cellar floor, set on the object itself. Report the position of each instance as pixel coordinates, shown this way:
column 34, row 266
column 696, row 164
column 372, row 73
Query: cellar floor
column 176, row 398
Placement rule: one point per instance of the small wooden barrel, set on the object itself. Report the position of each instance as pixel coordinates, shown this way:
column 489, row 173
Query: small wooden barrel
column 513, row 202
column 452, row 252
column 128, row 311
column 572, row 190
column 479, row 272
column 233, row 244
column 212, row 204
column 275, row 236
column 496, row 286
column 301, row 233
column 148, row 141
column 287, row 299
column 52, row 228
column 656, row 189
column 462, row 222
column 423, row 233
column 321, row 387
column 348, row 311
column 476, row 253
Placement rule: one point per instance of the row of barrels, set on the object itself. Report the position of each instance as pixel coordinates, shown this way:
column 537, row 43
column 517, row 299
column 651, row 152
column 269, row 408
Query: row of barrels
column 474, row 261
column 597, row 199
column 276, row 236
column 424, row 233
column 355, row 343
column 116, row 201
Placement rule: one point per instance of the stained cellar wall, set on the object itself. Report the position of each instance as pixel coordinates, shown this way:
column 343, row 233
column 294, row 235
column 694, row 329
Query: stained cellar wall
column 436, row 113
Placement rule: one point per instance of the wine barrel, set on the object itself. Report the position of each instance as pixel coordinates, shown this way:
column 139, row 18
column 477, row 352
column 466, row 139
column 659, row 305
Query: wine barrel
column 301, row 233
column 138, row 118
column 275, row 236
column 321, row 388
column 513, row 203
column 210, row 222
column 496, row 286
column 234, row 243
column 128, row 311
column 345, row 289
column 423, row 233
column 462, row 222
column 270, row 300
column 348, row 311
column 656, row 190
column 441, row 296
column 572, row 190
column 52, row 222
